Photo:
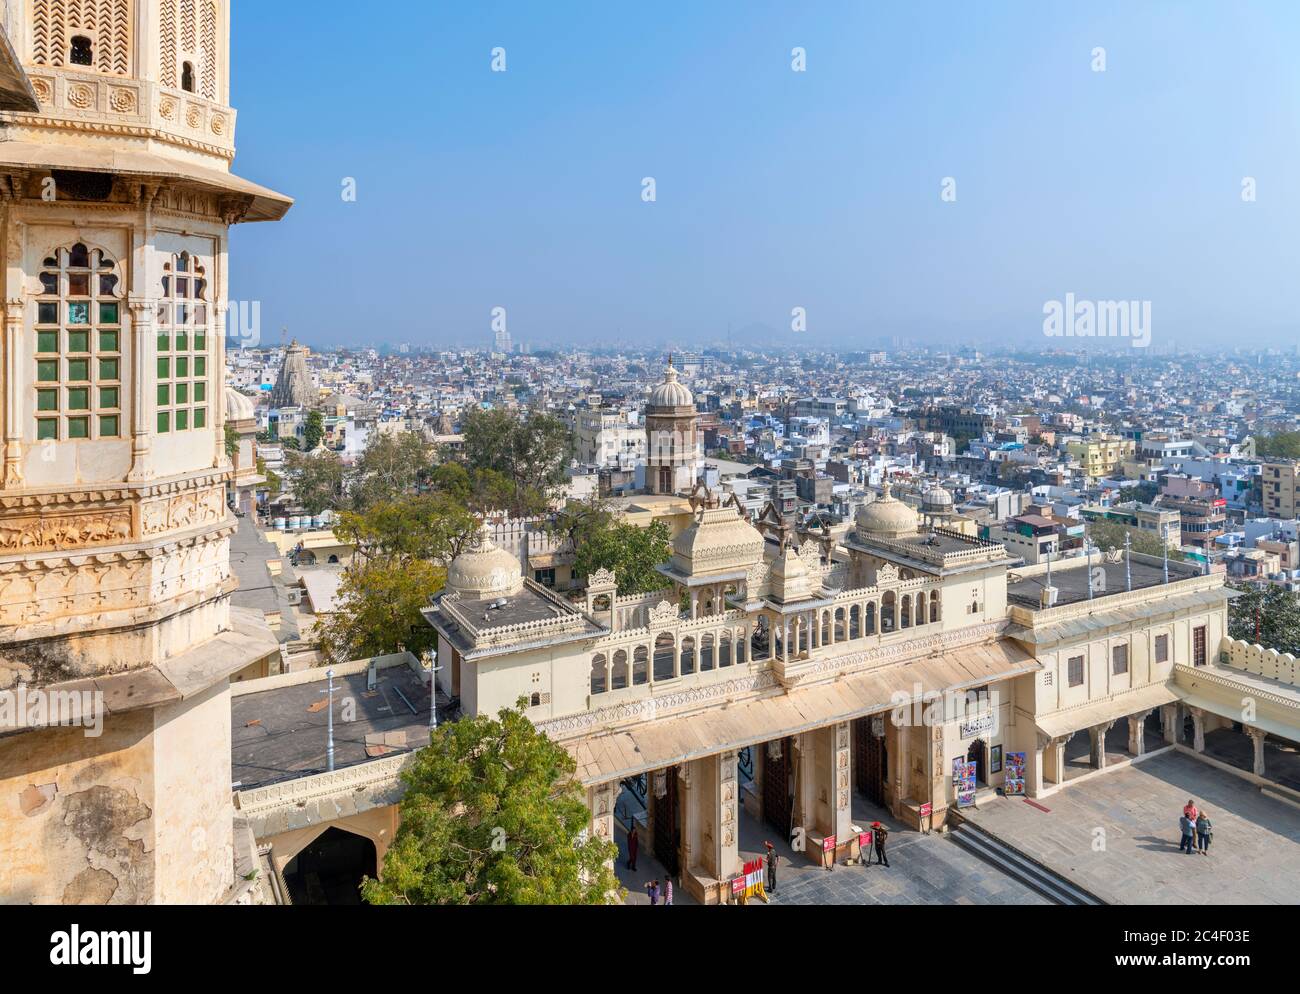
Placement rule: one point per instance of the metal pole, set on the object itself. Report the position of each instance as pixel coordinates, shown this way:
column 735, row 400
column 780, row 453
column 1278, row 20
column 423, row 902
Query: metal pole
column 433, row 691
column 329, row 749
column 1128, row 563
column 1164, row 548
column 1087, row 551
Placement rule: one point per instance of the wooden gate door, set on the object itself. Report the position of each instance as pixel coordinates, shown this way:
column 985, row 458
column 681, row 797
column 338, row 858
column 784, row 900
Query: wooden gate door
column 667, row 830
column 777, row 802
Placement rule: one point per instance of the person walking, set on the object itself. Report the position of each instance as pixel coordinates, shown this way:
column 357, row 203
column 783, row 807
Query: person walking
column 1189, row 834
column 633, row 845
column 880, row 835
column 771, row 867
column 1204, row 833
column 668, row 891
column 652, row 888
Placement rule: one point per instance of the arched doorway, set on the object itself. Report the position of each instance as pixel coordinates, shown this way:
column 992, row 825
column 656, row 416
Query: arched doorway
column 330, row 868
column 977, row 755
column 666, row 819
column 871, row 758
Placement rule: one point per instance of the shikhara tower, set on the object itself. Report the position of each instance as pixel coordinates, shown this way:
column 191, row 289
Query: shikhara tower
column 116, row 199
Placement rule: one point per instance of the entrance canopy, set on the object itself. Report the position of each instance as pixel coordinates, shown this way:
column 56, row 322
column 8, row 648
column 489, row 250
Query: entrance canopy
column 656, row 744
column 1065, row 723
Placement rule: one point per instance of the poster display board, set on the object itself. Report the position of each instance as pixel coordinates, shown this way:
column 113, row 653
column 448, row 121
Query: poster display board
column 964, row 780
column 1013, row 784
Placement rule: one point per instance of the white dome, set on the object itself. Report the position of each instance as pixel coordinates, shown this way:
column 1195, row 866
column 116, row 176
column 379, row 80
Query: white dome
column 238, row 406
column 887, row 517
column 483, row 570
column 937, row 499
column 671, row 393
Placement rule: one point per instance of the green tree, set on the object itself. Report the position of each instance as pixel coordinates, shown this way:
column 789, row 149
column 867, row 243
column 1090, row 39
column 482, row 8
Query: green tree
column 313, row 431
column 232, row 441
column 392, row 466
column 1283, row 445
column 318, row 481
column 1110, row 535
column 378, row 613
column 578, row 520
column 493, row 815
column 530, row 452
column 1270, row 617
column 632, row 552
column 430, row 526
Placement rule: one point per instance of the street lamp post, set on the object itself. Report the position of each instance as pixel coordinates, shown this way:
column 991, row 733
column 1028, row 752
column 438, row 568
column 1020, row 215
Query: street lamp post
column 434, row 669
column 329, row 748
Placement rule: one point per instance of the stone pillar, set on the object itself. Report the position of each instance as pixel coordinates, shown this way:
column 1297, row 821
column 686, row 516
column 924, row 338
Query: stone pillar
column 714, row 793
column 600, row 802
column 805, row 782
column 689, row 805
column 832, row 792
column 1058, row 759
column 1137, row 733
column 1169, row 722
column 1035, row 780
column 677, row 656
column 1257, row 739
column 13, row 388
column 1097, row 733
column 1198, row 729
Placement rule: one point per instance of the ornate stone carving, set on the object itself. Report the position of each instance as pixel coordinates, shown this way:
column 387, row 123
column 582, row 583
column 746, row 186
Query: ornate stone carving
column 167, row 108
column 62, row 531
column 218, row 124
column 81, row 96
column 122, row 100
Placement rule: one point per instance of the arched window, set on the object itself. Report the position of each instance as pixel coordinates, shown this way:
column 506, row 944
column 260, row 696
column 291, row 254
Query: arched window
column 640, row 666
column 598, row 684
column 78, row 347
column 618, row 672
column 183, row 317
column 82, row 53
column 187, row 77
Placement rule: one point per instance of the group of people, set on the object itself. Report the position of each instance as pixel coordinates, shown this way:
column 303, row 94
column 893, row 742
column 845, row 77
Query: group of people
column 653, row 890
column 1197, row 830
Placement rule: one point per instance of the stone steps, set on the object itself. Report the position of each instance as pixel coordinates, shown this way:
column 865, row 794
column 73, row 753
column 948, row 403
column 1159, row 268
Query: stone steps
column 1019, row 867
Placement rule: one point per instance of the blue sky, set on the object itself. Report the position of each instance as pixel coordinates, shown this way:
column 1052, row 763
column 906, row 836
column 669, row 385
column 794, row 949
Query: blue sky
column 775, row 189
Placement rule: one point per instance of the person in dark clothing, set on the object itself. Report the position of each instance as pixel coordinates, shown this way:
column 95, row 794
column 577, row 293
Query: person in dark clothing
column 880, row 835
column 1189, row 835
column 1204, row 833
column 772, row 857
column 633, row 844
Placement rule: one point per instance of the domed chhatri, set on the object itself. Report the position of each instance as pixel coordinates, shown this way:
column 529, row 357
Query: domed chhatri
column 671, row 392
column 484, row 570
column 937, row 500
column 887, row 517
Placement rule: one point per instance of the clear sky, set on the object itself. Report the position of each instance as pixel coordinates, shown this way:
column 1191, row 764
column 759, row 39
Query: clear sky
column 775, row 189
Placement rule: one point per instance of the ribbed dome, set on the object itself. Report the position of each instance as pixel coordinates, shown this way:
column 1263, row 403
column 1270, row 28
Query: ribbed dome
column 887, row 517
column 671, row 393
column 936, row 500
column 790, row 580
column 483, row 570
column 719, row 539
column 238, row 406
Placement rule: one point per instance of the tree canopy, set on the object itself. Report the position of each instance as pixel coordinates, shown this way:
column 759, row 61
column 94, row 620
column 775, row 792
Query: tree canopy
column 1283, row 445
column 379, row 603
column 493, row 815
column 1270, row 617
column 318, row 481
column 632, row 552
column 530, row 453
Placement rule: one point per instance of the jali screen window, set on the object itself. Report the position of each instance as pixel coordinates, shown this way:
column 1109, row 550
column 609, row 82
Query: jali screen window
column 183, row 326
column 78, row 347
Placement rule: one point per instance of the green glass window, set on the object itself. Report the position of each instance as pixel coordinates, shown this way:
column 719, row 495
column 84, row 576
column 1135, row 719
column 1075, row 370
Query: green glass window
column 47, row 313
column 47, row 371
column 108, row 369
column 182, row 393
column 164, row 394
column 200, row 392
column 108, row 426
column 108, row 341
column 47, row 341
column 108, row 397
column 78, row 370
column 78, row 341
column 79, row 399
column 182, row 419
column 200, row 417
column 200, row 366
column 164, row 422
column 47, row 400
column 182, row 366
column 47, row 429
column 182, row 341
column 164, row 369
column 108, row 313
column 78, row 427
column 200, row 341
column 164, row 342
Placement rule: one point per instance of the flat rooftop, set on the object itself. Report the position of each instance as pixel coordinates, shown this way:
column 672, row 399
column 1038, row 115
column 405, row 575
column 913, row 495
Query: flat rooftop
column 529, row 605
column 1071, row 581
column 281, row 734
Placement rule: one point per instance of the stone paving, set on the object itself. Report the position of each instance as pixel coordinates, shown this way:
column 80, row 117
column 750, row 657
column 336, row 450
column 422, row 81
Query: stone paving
column 1255, row 856
column 924, row 869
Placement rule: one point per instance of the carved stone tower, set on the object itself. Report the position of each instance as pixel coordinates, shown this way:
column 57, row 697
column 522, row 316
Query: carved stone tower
column 116, row 199
column 673, row 453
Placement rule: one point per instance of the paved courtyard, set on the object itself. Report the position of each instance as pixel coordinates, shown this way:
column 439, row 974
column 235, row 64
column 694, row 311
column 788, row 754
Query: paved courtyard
column 1255, row 856
column 924, row 869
